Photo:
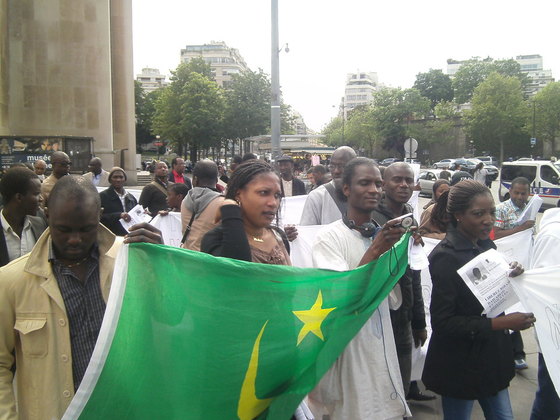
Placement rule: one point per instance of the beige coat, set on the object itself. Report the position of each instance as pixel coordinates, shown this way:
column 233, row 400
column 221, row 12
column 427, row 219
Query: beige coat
column 202, row 223
column 46, row 188
column 103, row 181
column 34, row 326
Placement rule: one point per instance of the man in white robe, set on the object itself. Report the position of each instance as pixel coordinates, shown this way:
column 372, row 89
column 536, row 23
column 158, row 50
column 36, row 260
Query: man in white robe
column 365, row 382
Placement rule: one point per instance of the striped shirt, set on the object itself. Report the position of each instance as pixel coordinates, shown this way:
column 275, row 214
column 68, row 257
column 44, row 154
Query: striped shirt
column 507, row 214
column 85, row 308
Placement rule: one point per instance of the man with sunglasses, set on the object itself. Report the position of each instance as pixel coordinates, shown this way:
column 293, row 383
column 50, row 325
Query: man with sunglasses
column 60, row 167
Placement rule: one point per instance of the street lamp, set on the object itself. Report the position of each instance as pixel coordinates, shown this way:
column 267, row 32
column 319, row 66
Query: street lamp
column 158, row 145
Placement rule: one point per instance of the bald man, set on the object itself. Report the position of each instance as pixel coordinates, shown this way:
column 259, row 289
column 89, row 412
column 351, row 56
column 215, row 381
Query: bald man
column 97, row 175
column 40, row 167
column 326, row 204
column 60, row 167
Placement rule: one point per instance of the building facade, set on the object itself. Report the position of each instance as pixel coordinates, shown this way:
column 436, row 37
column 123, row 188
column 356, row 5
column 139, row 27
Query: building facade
column 65, row 73
column 151, row 79
column 359, row 90
column 224, row 61
column 532, row 65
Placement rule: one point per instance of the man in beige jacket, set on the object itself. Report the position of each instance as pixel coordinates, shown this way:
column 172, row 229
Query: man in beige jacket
column 52, row 303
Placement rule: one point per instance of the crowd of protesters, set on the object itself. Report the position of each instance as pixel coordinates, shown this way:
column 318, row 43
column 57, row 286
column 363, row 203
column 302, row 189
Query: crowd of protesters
column 60, row 236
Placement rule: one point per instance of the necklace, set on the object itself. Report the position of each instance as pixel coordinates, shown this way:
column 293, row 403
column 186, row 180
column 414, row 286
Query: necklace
column 258, row 239
column 83, row 260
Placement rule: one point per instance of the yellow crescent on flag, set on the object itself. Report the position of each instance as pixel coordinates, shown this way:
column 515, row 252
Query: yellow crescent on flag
column 249, row 405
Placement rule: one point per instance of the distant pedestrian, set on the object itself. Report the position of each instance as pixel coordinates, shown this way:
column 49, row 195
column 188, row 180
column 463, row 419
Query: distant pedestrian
column 97, row 175
column 291, row 186
column 480, row 173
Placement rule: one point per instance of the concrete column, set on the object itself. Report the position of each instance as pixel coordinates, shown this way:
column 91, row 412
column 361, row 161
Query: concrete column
column 3, row 66
column 122, row 76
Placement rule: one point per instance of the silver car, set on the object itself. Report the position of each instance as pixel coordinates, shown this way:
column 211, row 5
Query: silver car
column 444, row 164
column 427, row 178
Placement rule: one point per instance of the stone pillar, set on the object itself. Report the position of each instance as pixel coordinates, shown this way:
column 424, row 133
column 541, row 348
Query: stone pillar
column 3, row 66
column 122, row 76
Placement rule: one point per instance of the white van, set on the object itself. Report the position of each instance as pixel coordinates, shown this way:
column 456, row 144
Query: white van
column 543, row 175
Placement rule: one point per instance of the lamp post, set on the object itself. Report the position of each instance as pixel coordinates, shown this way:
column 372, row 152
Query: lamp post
column 275, row 83
column 158, row 145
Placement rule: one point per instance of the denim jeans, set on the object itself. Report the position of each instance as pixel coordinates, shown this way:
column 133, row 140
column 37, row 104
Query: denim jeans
column 547, row 403
column 497, row 407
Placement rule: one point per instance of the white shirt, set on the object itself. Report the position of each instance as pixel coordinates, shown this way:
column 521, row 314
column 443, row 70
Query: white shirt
column 320, row 208
column 17, row 246
column 365, row 382
column 122, row 198
column 287, row 185
column 480, row 175
column 96, row 178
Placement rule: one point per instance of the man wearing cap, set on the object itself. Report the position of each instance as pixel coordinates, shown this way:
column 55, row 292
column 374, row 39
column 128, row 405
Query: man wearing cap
column 290, row 186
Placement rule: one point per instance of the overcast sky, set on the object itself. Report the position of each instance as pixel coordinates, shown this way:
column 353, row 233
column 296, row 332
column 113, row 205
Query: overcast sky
column 328, row 39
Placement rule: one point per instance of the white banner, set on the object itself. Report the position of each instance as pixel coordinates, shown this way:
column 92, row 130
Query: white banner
column 539, row 290
column 291, row 209
column 300, row 252
column 171, row 228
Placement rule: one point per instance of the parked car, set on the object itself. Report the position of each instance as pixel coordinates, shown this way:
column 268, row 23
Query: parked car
column 427, row 178
column 443, row 164
column 470, row 165
column 388, row 161
column 488, row 160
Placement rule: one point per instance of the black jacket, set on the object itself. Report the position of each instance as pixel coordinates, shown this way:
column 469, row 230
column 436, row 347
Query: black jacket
column 154, row 198
column 171, row 178
column 298, row 187
column 112, row 209
column 38, row 226
column 412, row 308
column 466, row 358
column 229, row 239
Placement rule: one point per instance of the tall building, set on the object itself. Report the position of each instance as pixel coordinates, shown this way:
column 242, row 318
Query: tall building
column 151, row 79
column 65, row 82
column 538, row 77
column 224, row 61
column 359, row 90
column 532, row 65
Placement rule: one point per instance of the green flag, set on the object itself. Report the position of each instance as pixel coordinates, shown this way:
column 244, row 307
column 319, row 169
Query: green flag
column 190, row 336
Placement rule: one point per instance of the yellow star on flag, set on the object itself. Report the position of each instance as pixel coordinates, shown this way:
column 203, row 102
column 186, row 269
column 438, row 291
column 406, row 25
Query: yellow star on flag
column 312, row 319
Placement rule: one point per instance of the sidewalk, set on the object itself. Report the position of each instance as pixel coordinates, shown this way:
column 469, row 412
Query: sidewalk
column 521, row 391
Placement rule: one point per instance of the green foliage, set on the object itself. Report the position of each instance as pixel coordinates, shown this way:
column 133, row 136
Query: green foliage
column 434, row 85
column 547, row 114
column 475, row 71
column 190, row 111
column 333, row 132
column 145, row 110
column 393, row 109
column 248, row 105
column 438, row 129
column 498, row 114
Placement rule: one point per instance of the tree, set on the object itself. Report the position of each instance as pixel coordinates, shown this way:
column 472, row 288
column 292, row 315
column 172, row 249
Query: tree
column 434, row 85
column 333, row 132
column 145, row 111
column 498, row 114
column 547, row 114
column 437, row 129
column 392, row 111
column 190, row 111
column 248, row 105
column 475, row 71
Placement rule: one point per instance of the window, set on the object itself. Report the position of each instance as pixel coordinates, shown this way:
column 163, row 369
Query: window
column 548, row 174
column 510, row 172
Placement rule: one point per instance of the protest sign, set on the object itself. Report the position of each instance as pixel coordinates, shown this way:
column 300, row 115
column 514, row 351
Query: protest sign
column 137, row 215
column 487, row 277
column 170, row 227
column 539, row 291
